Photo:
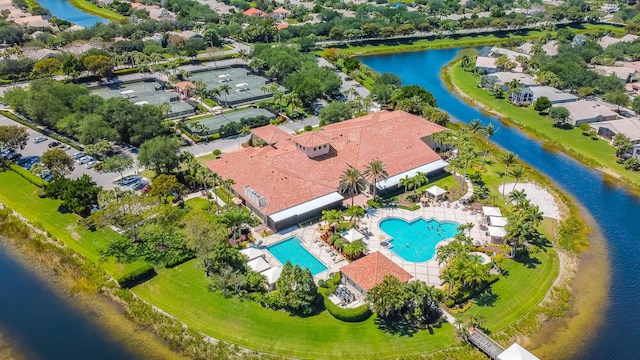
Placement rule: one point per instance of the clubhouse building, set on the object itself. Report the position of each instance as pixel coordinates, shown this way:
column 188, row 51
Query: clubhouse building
column 289, row 179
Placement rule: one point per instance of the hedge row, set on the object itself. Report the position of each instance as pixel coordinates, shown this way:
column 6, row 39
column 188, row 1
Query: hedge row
column 179, row 260
column 28, row 175
column 136, row 276
column 357, row 314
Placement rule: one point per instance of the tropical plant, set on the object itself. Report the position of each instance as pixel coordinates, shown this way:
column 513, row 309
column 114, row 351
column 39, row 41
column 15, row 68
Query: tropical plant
column 376, row 171
column 332, row 217
column 355, row 212
column 352, row 182
column 508, row 159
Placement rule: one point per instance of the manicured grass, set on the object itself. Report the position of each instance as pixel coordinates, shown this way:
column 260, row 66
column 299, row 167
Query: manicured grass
column 525, row 285
column 597, row 153
column 206, row 158
column 98, row 11
column 462, row 40
column 182, row 292
column 21, row 196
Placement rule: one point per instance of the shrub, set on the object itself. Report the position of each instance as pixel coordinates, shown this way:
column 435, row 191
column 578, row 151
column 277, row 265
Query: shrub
column 137, row 275
column 449, row 303
column 177, row 260
column 372, row 203
column 217, row 152
column 332, row 239
column 308, row 128
column 216, row 136
column 340, row 243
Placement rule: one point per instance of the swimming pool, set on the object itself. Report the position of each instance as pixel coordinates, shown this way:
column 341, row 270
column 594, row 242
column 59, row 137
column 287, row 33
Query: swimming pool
column 291, row 250
column 416, row 241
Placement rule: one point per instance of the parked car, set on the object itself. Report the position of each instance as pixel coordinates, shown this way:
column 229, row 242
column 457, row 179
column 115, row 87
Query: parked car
column 129, row 180
column 145, row 189
column 90, row 164
column 65, row 148
column 84, row 160
column 139, row 185
column 78, row 155
column 53, row 144
column 13, row 156
column 39, row 139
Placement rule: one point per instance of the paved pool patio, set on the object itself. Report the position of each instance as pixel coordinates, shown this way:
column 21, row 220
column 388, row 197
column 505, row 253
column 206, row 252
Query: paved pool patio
column 427, row 271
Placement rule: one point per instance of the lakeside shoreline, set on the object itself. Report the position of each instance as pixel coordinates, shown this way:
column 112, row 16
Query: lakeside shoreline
column 552, row 337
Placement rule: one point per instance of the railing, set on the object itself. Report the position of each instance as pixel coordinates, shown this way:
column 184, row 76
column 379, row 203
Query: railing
column 485, row 343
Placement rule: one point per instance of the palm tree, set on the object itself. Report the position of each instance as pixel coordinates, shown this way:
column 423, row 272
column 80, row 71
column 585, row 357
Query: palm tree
column 354, row 250
column 419, row 179
column 508, row 159
column 352, row 182
column 225, row 88
column 205, row 176
column 375, row 171
column 517, row 172
column 355, row 212
column 243, row 131
column 474, row 274
column 277, row 98
column 488, row 132
column 332, row 217
column 476, row 126
column 449, row 277
column 165, row 107
column 406, row 182
column 517, row 196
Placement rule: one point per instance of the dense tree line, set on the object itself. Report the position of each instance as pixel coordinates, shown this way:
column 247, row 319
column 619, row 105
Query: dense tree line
column 73, row 111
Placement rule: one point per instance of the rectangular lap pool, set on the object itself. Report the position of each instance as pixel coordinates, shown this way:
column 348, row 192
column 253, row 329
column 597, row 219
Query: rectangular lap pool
column 291, row 250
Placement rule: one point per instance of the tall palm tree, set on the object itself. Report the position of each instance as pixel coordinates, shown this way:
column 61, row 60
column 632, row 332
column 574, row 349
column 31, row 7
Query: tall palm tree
column 517, row 173
column 488, row 132
column 517, row 196
column 476, row 126
column 352, row 182
column 225, row 89
column 419, row 179
column 375, row 171
column 508, row 159
column 205, row 176
column 406, row 182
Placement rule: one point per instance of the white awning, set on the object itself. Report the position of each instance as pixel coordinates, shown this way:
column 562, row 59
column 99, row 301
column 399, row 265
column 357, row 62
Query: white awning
column 258, row 265
column 427, row 168
column 497, row 232
column 352, row 235
column 516, row 352
column 252, row 253
column 272, row 274
column 306, row 207
column 498, row 221
column 491, row 211
column 436, row 191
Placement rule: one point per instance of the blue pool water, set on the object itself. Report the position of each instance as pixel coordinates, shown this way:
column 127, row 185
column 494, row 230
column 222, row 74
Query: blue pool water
column 291, row 250
column 416, row 241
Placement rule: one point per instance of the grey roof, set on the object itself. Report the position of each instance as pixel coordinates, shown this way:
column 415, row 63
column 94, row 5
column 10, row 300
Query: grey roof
column 552, row 94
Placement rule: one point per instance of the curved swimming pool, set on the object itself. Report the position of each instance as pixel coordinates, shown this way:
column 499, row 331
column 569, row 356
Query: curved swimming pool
column 416, row 241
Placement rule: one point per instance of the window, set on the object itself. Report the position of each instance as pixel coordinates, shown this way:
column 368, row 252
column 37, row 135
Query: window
column 314, row 149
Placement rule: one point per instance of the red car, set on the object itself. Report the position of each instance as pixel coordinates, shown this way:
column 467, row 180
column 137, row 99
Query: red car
column 145, row 189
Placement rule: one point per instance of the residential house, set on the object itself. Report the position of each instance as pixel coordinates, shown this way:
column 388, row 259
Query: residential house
column 253, row 12
column 281, row 13
column 585, row 112
column 627, row 126
column 621, row 72
column 367, row 272
column 33, row 21
column 530, row 94
column 607, row 41
column 485, row 64
column 503, row 78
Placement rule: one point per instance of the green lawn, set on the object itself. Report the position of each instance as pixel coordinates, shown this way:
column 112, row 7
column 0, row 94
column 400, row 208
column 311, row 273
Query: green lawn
column 21, row 196
column 462, row 41
column 182, row 292
column 597, row 153
column 519, row 292
column 96, row 10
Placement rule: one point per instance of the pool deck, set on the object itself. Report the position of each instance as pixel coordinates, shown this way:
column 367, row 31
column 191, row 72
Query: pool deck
column 428, row 271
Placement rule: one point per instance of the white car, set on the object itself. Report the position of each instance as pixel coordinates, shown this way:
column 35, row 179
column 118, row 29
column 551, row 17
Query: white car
column 39, row 139
column 65, row 148
column 90, row 164
column 129, row 180
column 84, row 160
column 78, row 155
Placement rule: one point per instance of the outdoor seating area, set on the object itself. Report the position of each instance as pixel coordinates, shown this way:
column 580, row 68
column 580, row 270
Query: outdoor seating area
column 344, row 295
column 493, row 224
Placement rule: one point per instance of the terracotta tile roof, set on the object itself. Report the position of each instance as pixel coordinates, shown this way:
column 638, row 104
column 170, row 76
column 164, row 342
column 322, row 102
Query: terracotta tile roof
column 281, row 10
column 311, row 139
column 286, row 177
column 183, row 84
column 282, row 26
column 254, row 12
column 370, row 270
column 270, row 134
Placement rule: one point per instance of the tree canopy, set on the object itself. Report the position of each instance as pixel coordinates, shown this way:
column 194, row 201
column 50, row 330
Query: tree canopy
column 160, row 154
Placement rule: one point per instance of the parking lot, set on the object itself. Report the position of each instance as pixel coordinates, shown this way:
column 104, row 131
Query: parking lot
column 34, row 150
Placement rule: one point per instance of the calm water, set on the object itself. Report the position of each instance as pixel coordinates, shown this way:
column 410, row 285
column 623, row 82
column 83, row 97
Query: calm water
column 615, row 210
column 42, row 325
column 416, row 241
column 291, row 250
column 65, row 11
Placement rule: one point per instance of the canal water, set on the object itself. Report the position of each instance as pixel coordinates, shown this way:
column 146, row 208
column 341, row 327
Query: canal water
column 64, row 10
column 41, row 325
column 615, row 210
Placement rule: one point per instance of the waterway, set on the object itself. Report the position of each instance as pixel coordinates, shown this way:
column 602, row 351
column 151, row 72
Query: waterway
column 615, row 210
column 64, row 10
column 39, row 324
